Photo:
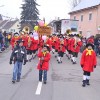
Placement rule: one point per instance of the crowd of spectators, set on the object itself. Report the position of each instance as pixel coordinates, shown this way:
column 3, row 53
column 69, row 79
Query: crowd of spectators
column 5, row 39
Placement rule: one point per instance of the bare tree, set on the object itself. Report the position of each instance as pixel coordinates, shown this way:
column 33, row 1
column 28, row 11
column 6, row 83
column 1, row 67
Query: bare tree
column 74, row 3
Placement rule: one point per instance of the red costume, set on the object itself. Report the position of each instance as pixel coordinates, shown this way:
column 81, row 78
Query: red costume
column 44, row 64
column 88, row 61
column 34, row 45
column 13, row 41
column 76, row 48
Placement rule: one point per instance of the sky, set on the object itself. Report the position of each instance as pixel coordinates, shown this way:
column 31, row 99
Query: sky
column 50, row 9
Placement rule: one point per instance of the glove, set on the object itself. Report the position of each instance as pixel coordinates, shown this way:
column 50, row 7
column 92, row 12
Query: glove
column 95, row 66
column 10, row 61
column 24, row 63
column 82, row 66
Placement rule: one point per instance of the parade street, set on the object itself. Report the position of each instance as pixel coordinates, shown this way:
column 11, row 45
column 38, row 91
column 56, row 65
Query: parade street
column 64, row 81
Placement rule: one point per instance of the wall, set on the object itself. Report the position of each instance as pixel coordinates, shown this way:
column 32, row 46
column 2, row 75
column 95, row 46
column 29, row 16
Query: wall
column 15, row 27
column 98, row 19
column 87, row 26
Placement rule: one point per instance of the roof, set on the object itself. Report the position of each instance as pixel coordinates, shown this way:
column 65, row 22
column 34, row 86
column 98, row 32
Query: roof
column 85, row 4
column 1, row 17
column 2, row 23
column 9, row 24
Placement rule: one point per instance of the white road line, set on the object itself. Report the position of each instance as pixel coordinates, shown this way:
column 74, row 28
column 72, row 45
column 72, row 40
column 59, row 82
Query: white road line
column 39, row 87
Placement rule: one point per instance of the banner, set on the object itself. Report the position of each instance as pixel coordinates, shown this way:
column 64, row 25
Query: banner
column 44, row 30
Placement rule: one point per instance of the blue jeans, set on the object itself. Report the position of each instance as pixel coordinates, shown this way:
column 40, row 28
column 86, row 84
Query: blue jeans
column 44, row 73
column 0, row 46
column 17, row 70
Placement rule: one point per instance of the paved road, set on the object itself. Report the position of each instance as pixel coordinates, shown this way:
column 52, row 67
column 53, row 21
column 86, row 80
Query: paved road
column 64, row 82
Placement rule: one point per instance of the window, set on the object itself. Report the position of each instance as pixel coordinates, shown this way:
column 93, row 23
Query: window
column 17, row 25
column 12, row 30
column 81, row 18
column 90, row 16
column 74, row 17
column 73, row 29
column 80, row 32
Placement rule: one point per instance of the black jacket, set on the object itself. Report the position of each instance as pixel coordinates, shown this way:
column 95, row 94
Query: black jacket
column 18, row 54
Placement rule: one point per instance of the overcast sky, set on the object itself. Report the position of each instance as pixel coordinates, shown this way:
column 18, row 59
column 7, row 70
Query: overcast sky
column 48, row 8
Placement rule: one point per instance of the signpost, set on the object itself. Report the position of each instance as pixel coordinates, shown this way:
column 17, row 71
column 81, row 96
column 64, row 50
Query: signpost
column 44, row 30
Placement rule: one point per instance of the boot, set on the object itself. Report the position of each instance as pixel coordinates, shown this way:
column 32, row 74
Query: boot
column 84, row 83
column 74, row 62
column 87, row 82
column 18, row 80
column 45, row 82
column 13, row 81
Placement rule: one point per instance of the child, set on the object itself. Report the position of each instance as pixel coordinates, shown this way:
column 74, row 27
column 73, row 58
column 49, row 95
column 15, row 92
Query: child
column 88, row 63
column 43, row 66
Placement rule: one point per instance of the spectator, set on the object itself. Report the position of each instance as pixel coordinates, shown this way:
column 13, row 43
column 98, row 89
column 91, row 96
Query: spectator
column 1, row 41
column 96, row 44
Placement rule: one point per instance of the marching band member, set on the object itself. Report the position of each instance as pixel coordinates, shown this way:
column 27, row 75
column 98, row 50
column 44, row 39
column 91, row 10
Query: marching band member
column 57, row 44
column 70, row 42
column 76, row 45
column 53, row 43
column 49, row 42
column 34, row 47
column 29, row 46
column 14, row 40
column 25, row 38
column 43, row 66
column 66, row 41
column 61, row 50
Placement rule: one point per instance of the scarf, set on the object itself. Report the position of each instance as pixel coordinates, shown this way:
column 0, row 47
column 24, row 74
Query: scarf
column 89, row 52
column 44, row 53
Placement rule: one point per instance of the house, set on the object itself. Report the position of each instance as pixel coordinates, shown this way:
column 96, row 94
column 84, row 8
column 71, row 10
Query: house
column 10, row 26
column 88, row 14
column 62, row 25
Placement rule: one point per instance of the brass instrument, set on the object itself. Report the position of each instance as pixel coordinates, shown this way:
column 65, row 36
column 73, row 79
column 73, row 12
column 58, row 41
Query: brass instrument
column 29, row 41
column 76, row 41
column 26, row 29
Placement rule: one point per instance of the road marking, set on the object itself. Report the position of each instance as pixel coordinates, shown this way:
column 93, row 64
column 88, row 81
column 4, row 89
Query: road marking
column 39, row 87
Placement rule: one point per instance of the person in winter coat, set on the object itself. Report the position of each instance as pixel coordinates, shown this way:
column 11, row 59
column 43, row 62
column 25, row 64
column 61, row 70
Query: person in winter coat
column 1, row 40
column 43, row 66
column 18, row 55
column 88, row 63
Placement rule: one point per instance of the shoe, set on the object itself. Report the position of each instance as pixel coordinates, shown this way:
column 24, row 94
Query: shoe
column 0, row 51
column 74, row 62
column 87, row 82
column 84, row 83
column 45, row 82
column 13, row 81
column 68, row 58
column 40, row 80
column 18, row 80
column 52, row 52
column 55, row 56
column 59, row 62
column 66, row 55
